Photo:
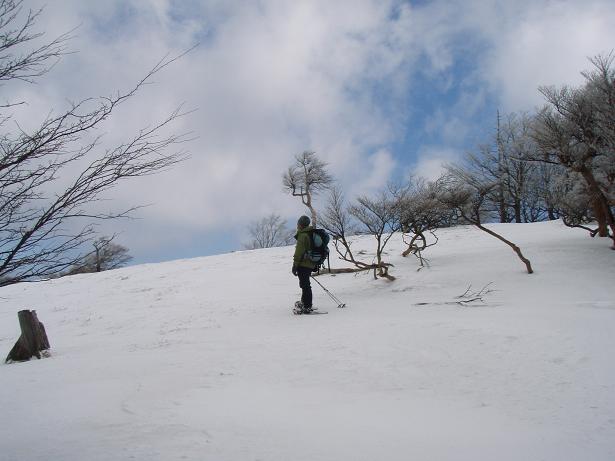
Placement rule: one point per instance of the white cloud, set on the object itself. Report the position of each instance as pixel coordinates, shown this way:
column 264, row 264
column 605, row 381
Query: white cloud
column 545, row 43
column 273, row 78
column 269, row 80
column 514, row 47
column 431, row 160
column 380, row 167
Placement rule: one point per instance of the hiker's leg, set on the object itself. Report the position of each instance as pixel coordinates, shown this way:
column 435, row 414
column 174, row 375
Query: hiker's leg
column 306, row 288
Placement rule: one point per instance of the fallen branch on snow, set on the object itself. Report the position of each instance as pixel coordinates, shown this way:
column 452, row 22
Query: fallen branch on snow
column 467, row 298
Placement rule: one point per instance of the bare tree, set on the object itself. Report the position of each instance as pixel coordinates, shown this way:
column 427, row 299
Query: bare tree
column 107, row 255
column 379, row 217
column 337, row 221
column 37, row 228
column 343, row 222
column 268, row 232
column 421, row 212
column 466, row 196
column 306, row 178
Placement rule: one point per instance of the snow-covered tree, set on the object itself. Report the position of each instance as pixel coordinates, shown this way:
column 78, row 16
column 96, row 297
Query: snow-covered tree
column 501, row 161
column 576, row 129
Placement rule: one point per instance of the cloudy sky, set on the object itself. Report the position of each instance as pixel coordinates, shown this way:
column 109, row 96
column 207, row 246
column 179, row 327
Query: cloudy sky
column 377, row 88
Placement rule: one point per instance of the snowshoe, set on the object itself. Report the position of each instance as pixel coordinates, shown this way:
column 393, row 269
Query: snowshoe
column 298, row 309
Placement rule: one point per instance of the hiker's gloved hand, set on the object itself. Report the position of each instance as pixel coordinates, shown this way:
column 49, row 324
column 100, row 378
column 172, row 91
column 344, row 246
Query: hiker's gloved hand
column 294, row 270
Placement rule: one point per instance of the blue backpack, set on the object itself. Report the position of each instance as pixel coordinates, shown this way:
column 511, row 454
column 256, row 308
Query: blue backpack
column 319, row 250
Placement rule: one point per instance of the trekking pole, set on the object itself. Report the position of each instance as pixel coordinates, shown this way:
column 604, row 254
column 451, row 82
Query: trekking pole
column 340, row 304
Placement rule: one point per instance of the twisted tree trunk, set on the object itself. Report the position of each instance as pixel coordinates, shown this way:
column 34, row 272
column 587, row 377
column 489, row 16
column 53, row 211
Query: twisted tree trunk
column 515, row 248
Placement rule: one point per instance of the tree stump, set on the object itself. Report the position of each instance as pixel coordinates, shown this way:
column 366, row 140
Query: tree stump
column 33, row 339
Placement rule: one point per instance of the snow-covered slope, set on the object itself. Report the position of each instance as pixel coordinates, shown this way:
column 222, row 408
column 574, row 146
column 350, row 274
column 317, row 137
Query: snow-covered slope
column 202, row 359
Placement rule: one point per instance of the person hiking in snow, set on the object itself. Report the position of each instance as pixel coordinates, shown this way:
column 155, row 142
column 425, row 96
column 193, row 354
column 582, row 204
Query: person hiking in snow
column 302, row 266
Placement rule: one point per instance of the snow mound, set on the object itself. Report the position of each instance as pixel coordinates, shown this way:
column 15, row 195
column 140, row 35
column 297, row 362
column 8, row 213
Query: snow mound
column 202, row 358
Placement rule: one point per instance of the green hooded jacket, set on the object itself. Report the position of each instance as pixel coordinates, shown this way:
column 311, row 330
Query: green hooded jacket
column 301, row 248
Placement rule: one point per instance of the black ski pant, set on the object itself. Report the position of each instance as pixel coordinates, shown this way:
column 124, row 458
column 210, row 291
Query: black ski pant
column 304, row 274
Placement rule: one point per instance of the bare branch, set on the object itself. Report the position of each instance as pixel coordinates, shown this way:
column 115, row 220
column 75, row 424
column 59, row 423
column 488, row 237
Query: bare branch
column 467, row 298
column 35, row 240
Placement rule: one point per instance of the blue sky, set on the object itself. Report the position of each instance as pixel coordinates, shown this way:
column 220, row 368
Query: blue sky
column 377, row 88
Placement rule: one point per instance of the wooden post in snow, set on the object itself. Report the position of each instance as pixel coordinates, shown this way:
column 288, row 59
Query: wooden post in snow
column 33, row 338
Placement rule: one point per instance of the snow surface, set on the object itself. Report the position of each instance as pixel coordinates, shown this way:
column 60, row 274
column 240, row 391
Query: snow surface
column 202, row 359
